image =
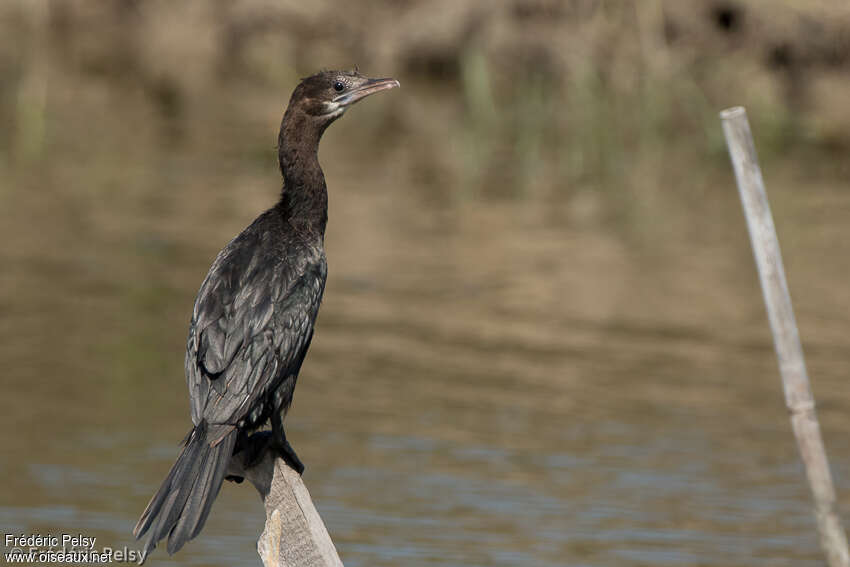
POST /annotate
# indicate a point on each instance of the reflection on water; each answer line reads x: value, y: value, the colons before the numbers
x: 490, y: 383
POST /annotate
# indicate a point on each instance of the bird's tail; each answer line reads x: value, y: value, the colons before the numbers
x: 181, y: 505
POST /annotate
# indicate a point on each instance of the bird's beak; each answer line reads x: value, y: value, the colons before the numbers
x: 371, y: 86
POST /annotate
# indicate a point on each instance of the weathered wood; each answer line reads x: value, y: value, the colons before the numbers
x: 786, y: 338
x: 295, y: 535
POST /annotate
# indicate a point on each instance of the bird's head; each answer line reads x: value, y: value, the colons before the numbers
x: 316, y: 102
x: 325, y: 96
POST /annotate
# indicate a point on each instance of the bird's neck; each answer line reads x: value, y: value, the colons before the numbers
x: 304, y: 197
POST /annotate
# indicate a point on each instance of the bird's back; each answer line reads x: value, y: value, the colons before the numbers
x: 253, y: 321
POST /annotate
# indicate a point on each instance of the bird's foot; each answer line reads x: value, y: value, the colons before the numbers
x: 250, y: 451
x: 256, y: 446
x: 287, y: 453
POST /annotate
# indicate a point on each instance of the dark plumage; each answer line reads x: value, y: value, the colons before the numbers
x: 253, y: 317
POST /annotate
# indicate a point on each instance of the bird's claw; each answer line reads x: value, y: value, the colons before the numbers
x: 287, y: 453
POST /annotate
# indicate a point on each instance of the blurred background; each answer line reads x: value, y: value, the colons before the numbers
x: 542, y: 340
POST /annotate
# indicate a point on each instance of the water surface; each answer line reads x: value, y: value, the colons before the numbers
x: 493, y: 382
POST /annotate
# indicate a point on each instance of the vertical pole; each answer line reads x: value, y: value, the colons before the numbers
x: 786, y: 338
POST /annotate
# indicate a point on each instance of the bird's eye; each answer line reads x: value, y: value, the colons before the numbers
x: 339, y: 87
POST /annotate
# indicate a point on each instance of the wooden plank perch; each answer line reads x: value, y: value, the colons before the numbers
x: 295, y: 535
x: 786, y: 337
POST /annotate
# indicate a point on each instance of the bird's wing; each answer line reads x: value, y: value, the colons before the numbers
x: 252, y: 322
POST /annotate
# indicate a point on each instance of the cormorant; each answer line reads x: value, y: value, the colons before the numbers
x: 253, y: 317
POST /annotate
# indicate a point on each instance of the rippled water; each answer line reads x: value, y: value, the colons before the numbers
x: 491, y: 383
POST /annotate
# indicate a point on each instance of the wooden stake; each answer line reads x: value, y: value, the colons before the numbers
x: 295, y: 535
x: 786, y: 338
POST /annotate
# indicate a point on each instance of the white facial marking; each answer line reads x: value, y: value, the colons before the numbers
x: 333, y: 109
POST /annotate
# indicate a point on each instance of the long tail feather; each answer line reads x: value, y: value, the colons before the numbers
x: 180, y: 507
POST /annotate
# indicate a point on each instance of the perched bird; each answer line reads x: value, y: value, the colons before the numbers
x: 253, y: 318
